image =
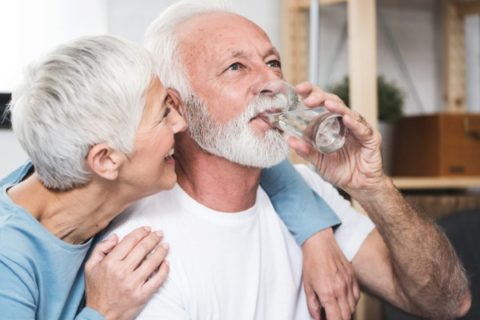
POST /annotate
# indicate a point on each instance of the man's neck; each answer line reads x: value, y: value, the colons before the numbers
x: 216, y: 182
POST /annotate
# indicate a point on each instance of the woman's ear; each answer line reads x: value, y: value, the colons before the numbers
x: 174, y: 100
x: 105, y: 161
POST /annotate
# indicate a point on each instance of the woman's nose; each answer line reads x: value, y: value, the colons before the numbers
x: 178, y: 124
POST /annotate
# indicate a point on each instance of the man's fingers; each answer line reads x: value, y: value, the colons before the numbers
x: 352, y: 120
x: 304, y: 89
x: 311, y: 96
x: 128, y: 243
x: 301, y: 147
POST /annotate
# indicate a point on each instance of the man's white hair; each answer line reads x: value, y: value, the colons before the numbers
x: 89, y: 91
x: 161, y: 40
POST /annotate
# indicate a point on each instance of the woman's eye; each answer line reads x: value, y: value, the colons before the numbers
x: 274, y: 64
x: 164, y: 115
x: 167, y: 111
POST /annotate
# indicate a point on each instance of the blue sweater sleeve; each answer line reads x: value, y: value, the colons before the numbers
x: 303, y: 210
x: 89, y: 314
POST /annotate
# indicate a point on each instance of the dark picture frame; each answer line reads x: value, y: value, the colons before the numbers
x: 5, y: 122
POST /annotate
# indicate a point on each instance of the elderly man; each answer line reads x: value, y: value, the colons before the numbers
x: 231, y: 257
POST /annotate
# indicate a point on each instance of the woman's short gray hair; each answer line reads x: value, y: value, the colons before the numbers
x: 89, y: 91
x: 161, y: 40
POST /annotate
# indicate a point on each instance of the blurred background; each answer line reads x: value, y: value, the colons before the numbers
x: 411, y: 67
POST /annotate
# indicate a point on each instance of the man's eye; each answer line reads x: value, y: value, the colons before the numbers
x: 235, y: 66
x: 274, y: 64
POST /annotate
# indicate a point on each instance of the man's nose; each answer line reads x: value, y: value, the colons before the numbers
x: 273, y: 87
x: 263, y: 81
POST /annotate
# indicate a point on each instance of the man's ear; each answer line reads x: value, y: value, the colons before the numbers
x: 105, y: 161
x: 175, y: 101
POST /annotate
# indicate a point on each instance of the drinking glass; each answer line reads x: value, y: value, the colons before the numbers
x: 323, y: 129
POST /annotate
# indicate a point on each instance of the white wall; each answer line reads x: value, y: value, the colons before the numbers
x: 12, y: 155
x: 129, y: 19
x: 28, y: 28
x: 31, y: 27
x: 472, y: 62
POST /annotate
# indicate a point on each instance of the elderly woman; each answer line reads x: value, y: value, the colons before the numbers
x: 99, y: 129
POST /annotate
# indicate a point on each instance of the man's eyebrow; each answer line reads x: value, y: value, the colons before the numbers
x: 273, y: 51
x: 237, y: 54
x: 232, y: 54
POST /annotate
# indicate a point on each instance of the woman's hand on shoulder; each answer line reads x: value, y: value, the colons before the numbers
x: 121, y: 276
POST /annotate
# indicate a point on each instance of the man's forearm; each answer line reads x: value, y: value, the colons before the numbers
x: 425, y: 266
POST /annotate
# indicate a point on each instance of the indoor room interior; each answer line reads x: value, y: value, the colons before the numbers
x: 428, y: 51
x: 410, y: 67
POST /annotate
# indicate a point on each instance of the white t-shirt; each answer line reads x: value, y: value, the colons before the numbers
x: 242, y: 265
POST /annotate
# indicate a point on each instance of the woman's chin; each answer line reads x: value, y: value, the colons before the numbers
x: 169, y: 180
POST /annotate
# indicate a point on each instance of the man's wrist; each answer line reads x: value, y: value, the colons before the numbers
x: 374, y: 191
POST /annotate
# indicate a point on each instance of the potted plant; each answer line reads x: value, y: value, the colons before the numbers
x: 390, y: 109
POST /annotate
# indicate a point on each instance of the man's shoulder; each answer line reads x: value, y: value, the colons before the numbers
x: 303, y: 169
x: 311, y: 177
x: 155, y: 211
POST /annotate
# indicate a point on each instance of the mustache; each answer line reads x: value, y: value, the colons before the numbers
x: 259, y: 105
x: 263, y: 103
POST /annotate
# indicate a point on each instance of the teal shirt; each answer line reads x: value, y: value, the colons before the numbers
x: 41, y: 276
x: 302, y: 210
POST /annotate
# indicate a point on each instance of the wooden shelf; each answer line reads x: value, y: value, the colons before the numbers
x: 406, y: 183
x: 362, y: 47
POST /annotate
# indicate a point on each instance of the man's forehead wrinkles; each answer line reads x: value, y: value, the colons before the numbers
x: 239, y: 53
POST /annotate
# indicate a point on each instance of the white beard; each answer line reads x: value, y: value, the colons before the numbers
x: 235, y: 140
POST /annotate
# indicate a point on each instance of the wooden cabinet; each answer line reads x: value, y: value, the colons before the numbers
x: 441, y: 145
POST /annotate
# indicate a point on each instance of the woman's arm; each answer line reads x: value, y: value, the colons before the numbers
x: 301, y: 209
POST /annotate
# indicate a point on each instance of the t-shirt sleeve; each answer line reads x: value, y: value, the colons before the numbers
x: 302, y: 210
x: 355, y: 226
